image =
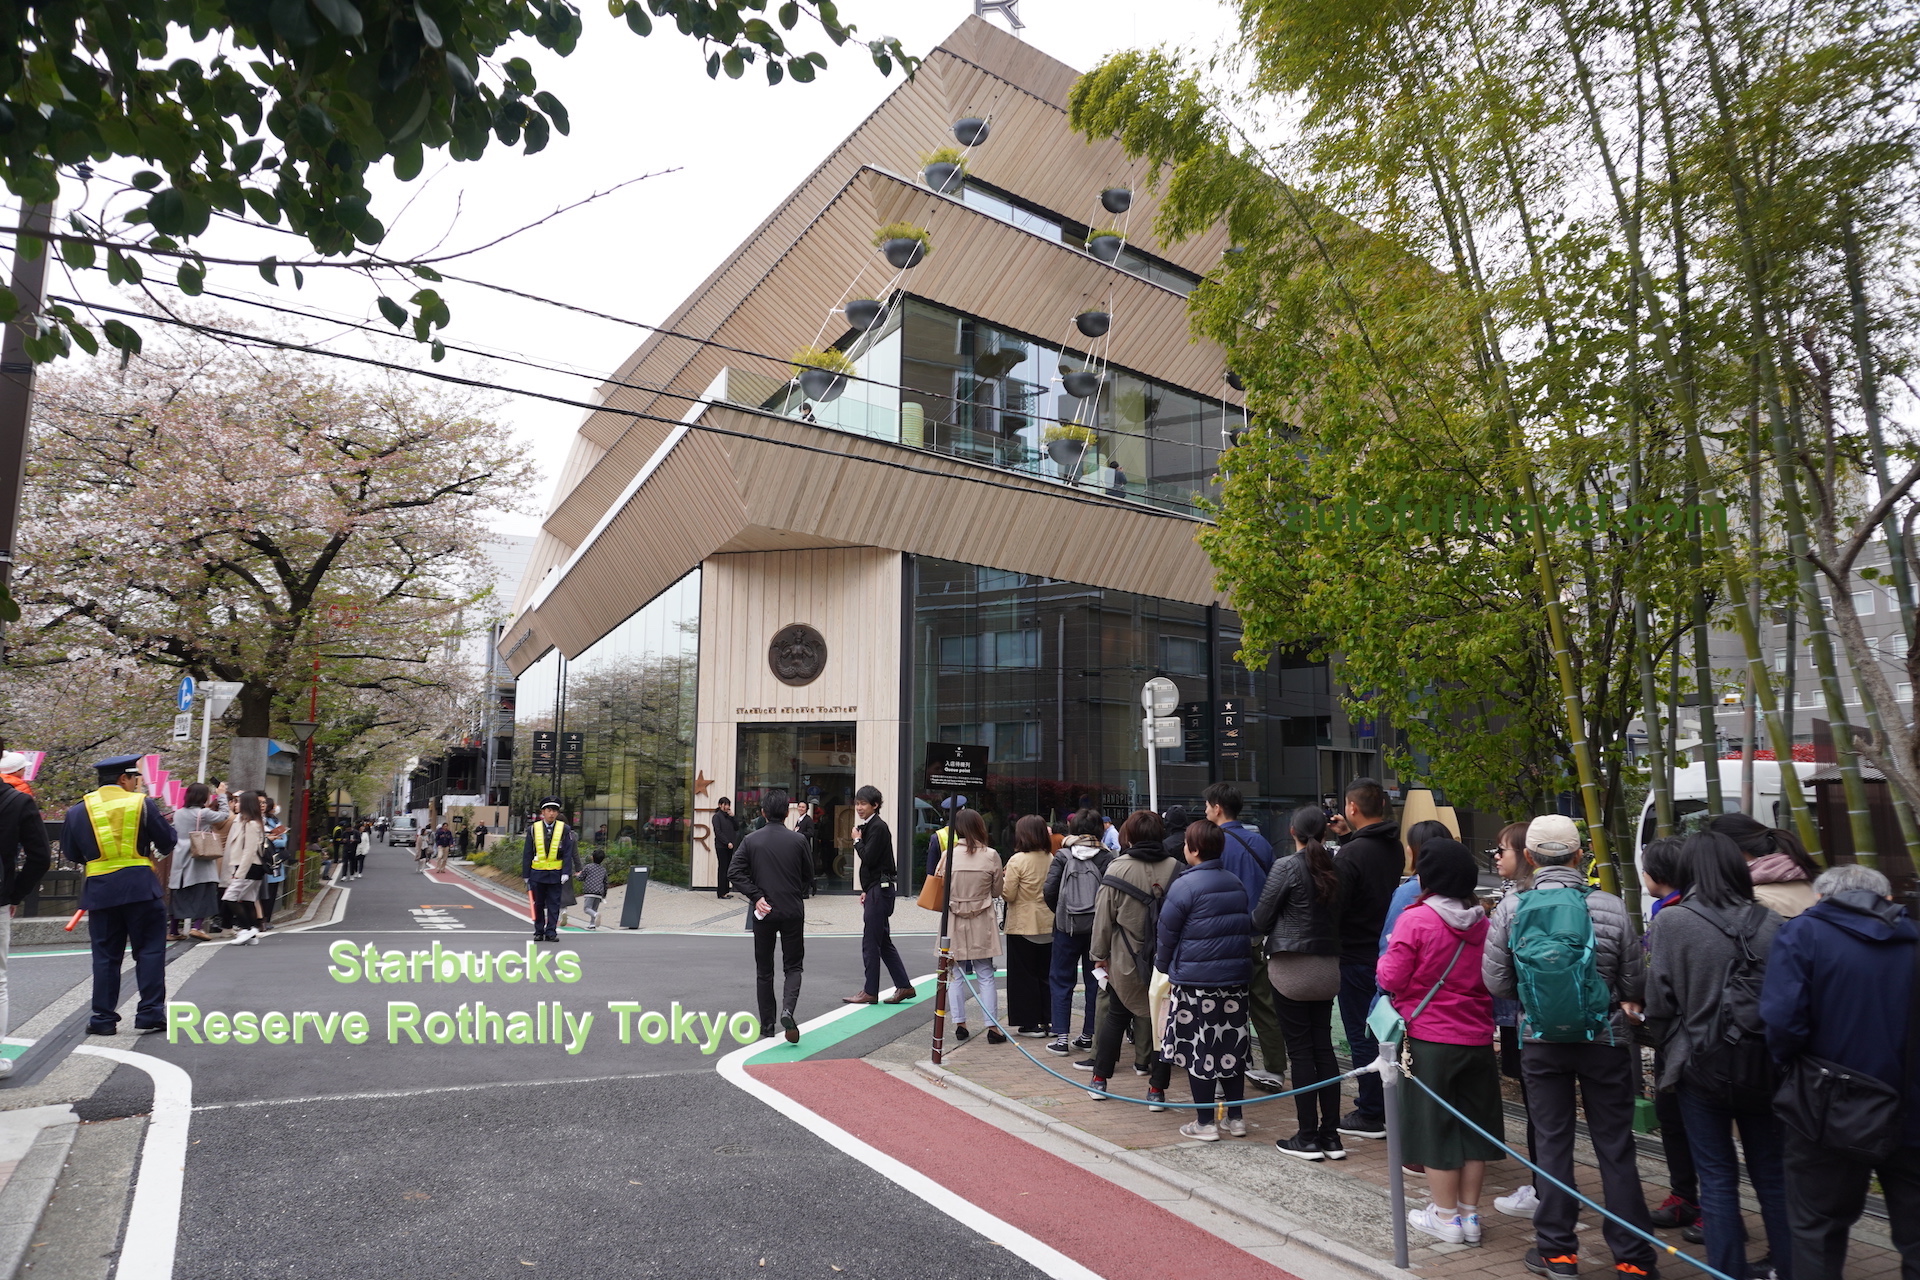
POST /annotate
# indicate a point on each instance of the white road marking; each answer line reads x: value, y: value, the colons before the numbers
x: 433, y: 918
x: 444, y: 1088
x: 1044, y: 1257
x: 153, y: 1220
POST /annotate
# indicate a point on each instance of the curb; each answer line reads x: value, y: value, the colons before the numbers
x: 1291, y: 1229
x: 23, y: 1201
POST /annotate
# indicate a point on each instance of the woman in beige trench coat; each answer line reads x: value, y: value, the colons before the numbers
x: 974, y: 883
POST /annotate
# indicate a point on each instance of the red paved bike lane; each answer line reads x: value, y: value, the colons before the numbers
x: 1096, y: 1223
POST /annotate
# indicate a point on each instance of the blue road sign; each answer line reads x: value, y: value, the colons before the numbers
x: 185, y: 700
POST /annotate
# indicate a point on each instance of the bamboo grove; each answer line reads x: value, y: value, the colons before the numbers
x: 1574, y: 333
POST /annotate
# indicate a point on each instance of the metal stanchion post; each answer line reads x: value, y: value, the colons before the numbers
x: 1389, y: 1068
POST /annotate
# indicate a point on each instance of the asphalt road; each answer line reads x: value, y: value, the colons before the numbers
x: 456, y: 1160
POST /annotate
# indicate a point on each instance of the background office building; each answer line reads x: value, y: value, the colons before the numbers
x: 983, y: 532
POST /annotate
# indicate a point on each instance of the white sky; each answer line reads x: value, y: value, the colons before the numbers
x: 637, y: 106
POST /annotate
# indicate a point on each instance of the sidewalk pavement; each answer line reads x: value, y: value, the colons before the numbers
x: 671, y: 908
x: 1347, y: 1199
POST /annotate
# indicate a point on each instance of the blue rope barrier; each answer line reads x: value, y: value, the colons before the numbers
x: 1655, y: 1241
x: 1121, y: 1097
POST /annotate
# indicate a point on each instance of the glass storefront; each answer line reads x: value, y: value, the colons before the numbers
x: 630, y: 698
x: 937, y: 379
x: 814, y: 764
x: 1047, y: 676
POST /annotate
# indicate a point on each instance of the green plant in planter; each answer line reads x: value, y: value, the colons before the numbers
x: 831, y: 359
x: 904, y: 231
x: 945, y: 155
x: 1097, y: 232
x: 1070, y: 431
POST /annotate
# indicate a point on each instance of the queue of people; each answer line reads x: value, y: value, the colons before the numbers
x: 1757, y: 968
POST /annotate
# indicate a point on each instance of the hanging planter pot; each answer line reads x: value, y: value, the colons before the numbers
x: 944, y: 170
x: 904, y: 244
x: 1116, y: 199
x: 1080, y: 384
x: 1104, y: 243
x: 1232, y: 254
x: 822, y: 372
x: 1067, y: 444
x: 944, y: 176
x: 971, y: 131
x: 1093, y: 324
x: 1234, y: 381
x: 864, y: 313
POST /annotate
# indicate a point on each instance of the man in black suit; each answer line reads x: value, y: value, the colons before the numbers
x: 774, y: 868
x: 726, y: 838
x: 873, y: 847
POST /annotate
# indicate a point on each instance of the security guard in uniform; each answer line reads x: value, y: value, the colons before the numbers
x: 118, y: 833
x: 547, y: 864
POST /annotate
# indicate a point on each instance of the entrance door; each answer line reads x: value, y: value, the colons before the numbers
x: 814, y: 765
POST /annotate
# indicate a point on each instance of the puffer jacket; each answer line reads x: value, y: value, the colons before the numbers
x: 1292, y: 915
x: 1616, y: 951
x: 1116, y: 914
x: 1204, y: 928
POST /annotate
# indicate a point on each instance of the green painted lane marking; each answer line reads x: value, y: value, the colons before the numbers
x: 845, y: 1027
x: 13, y: 1050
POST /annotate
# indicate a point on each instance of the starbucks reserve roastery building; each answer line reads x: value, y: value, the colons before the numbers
x: 745, y: 582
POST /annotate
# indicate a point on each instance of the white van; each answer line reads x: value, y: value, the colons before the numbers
x: 405, y: 827
x: 1690, y: 794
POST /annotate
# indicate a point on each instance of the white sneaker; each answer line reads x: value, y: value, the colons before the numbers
x: 1428, y: 1221
x: 1267, y: 1080
x: 241, y: 938
x: 1470, y: 1226
x: 1202, y: 1132
x: 1520, y: 1204
x: 1236, y: 1128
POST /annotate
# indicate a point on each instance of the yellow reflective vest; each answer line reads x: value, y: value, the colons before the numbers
x: 115, y: 815
x: 548, y: 842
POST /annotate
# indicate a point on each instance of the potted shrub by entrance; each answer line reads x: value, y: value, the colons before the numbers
x: 1079, y: 383
x: 1067, y: 444
x: 1104, y: 243
x: 864, y: 313
x: 944, y: 169
x: 822, y: 372
x: 904, y: 244
x: 971, y: 130
x: 1093, y: 324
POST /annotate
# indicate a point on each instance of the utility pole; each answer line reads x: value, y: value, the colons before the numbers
x: 16, y: 381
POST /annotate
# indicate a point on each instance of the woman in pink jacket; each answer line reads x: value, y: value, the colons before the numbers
x: 1431, y: 972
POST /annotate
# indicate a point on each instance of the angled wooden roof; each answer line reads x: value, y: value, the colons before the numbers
x: 777, y: 484
x: 772, y: 294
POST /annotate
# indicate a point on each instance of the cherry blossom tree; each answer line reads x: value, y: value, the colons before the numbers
x: 244, y: 513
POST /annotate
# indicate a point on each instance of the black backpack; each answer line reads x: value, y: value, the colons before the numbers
x: 1150, y: 937
x: 1732, y: 1066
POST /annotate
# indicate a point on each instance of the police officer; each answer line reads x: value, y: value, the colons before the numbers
x: 118, y: 833
x: 547, y: 863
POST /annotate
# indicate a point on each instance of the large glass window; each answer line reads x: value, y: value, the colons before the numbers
x: 1008, y: 208
x: 1062, y: 724
x: 937, y: 379
x: 630, y: 697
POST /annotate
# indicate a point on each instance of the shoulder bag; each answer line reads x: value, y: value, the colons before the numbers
x: 1846, y: 1111
x: 1388, y: 1027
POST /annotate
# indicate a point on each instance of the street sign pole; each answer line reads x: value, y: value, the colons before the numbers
x: 206, y: 731
x: 1159, y: 698
x: 950, y: 767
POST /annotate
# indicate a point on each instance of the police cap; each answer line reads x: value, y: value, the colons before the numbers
x: 110, y: 769
x: 549, y: 804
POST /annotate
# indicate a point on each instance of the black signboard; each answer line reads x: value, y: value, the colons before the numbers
x: 1229, y: 721
x: 952, y: 766
x: 1193, y: 732
x: 543, y: 750
x: 573, y: 748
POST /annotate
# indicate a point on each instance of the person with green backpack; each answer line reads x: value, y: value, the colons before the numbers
x: 1567, y: 953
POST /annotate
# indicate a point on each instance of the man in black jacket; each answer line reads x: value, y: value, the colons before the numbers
x: 1369, y: 864
x: 22, y: 831
x: 774, y: 868
x: 726, y: 838
x: 873, y: 847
